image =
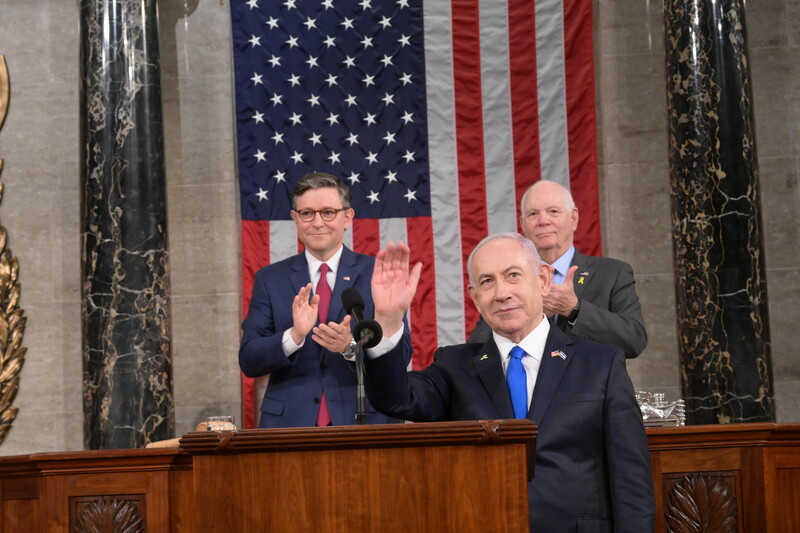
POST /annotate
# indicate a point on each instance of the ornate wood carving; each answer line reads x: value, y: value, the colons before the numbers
x: 702, y: 503
x: 12, y: 321
x: 120, y: 513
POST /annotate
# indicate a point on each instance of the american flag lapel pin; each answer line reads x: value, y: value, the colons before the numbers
x: 346, y: 278
x: 558, y: 353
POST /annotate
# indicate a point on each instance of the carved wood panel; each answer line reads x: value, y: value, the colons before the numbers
x: 701, y: 502
x: 117, y: 513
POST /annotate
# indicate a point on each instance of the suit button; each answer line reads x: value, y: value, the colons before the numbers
x: 316, y: 399
x: 323, y: 367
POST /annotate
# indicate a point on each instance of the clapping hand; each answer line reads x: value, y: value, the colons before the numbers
x: 561, y: 299
x: 335, y: 337
x: 304, y: 313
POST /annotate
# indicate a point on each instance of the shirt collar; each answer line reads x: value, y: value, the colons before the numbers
x: 533, y: 343
x: 314, y: 263
x: 562, y: 263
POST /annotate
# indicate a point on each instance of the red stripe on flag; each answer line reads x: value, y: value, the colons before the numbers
x: 255, y: 254
x: 469, y: 134
x: 582, y: 123
x: 524, y: 95
x: 367, y: 236
x: 424, y: 332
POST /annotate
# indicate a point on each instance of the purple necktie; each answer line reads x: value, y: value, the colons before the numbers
x: 324, y: 293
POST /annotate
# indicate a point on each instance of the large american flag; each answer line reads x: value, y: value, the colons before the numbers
x: 438, y: 115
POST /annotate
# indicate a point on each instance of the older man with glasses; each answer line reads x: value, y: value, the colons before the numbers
x: 296, y: 329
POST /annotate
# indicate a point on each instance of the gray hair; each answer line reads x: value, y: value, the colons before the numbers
x: 321, y: 180
x: 567, y: 195
x: 527, y: 246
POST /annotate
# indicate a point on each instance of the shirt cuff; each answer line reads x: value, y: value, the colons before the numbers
x: 288, y: 344
x: 387, y: 344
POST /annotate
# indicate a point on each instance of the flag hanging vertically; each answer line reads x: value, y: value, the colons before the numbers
x: 438, y: 115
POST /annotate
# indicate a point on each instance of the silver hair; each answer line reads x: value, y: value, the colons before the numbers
x: 567, y: 196
x: 527, y: 246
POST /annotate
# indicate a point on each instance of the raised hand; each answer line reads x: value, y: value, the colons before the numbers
x: 304, y: 313
x: 393, y: 286
x: 561, y: 299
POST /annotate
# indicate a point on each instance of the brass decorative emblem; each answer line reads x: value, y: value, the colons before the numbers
x: 12, y: 323
x: 3, y: 92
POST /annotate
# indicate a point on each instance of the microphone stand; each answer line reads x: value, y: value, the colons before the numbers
x: 361, y: 395
x: 366, y: 336
x: 369, y: 334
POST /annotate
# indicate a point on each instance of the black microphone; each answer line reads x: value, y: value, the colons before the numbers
x: 367, y: 332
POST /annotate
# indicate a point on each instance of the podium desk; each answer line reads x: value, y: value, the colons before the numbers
x: 432, y: 477
x: 728, y: 478
x: 435, y: 477
x: 137, y: 489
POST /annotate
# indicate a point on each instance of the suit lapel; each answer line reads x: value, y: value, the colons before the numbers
x: 490, y: 371
x: 299, y: 275
x: 551, y: 370
x: 584, y: 273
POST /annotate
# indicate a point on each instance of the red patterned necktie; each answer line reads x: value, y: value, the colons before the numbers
x: 324, y: 293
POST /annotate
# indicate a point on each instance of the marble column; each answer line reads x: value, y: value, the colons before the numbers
x: 723, y: 326
x: 127, y: 376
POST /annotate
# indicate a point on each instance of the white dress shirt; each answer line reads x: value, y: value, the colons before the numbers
x: 289, y: 346
x: 533, y: 344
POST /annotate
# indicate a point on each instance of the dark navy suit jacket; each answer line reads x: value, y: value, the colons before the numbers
x: 592, y: 467
x: 296, y: 382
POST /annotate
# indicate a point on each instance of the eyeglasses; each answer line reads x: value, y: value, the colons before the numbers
x: 327, y: 214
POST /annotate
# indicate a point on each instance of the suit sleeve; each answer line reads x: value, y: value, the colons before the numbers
x: 621, y: 325
x: 260, y: 350
x: 420, y: 396
x: 628, y: 454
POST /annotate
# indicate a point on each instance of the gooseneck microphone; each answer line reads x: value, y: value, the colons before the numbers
x: 367, y: 332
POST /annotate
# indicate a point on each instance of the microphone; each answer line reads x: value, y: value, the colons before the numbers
x: 368, y: 332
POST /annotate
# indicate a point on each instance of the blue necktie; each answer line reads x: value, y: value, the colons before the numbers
x: 517, y: 383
